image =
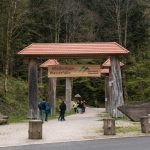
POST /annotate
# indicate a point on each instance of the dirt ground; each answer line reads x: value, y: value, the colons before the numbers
x: 77, y: 127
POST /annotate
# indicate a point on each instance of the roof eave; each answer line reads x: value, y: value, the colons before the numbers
x: 72, y: 55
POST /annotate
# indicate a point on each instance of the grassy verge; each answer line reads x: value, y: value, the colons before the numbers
x: 129, y: 129
x: 121, y: 128
x: 103, y: 116
x: 23, y: 117
x: 18, y: 118
x: 107, y: 116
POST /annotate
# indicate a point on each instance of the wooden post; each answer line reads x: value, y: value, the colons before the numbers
x: 68, y: 94
x: 35, y: 129
x: 145, y: 124
x: 107, y: 100
x: 41, y: 76
x: 52, y: 94
x: 32, y: 81
x: 110, y: 94
x: 109, y: 126
x: 117, y: 92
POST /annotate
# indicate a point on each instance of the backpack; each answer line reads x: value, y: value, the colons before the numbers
x: 42, y: 105
x: 47, y: 109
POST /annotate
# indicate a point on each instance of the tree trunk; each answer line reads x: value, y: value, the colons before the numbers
x: 41, y: 76
x: 6, y: 76
x: 7, y: 52
x: 8, y: 48
x: 52, y: 94
x: 118, y: 15
x: 68, y: 93
x: 126, y: 24
x: 124, y: 82
x: 33, y: 79
x: 117, y: 93
x: 10, y: 24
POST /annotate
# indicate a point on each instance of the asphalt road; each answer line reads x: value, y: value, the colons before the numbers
x: 139, y: 143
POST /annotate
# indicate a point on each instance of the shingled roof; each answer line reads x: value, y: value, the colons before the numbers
x: 53, y: 50
x: 108, y: 64
x: 49, y: 63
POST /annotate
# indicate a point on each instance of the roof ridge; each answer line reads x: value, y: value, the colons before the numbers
x: 75, y: 43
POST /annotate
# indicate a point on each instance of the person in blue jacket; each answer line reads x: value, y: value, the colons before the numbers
x: 47, y: 111
x: 42, y: 107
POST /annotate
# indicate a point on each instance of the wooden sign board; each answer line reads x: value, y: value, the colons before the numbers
x: 74, y: 71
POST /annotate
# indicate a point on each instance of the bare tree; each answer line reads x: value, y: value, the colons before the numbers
x: 118, y: 10
x: 10, y: 23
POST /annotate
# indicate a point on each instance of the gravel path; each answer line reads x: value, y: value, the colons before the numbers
x: 77, y: 127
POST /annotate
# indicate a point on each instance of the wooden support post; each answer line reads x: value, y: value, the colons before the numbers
x: 107, y: 100
x: 35, y: 129
x: 117, y: 92
x: 52, y: 94
x: 32, y: 81
x: 145, y: 124
x: 41, y: 76
x: 110, y: 93
x: 68, y: 94
x: 109, y: 126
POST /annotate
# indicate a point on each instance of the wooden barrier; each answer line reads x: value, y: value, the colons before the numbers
x: 135, y: 112
x: 3, y: 119
x: 109, y: 126
x: 145, y: 124
x: 35, y: 129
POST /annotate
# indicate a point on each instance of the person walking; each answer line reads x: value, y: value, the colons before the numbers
x: 62, y: 108
x: 74, y: 106
x: 79, y: 107
x: 47, y: 111
x: 42, y: 106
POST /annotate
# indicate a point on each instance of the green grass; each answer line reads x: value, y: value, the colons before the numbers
x: 18, y: 118
x: 105, y: 115
x: 14, y: 103
x: 122, y: 118
x: 23, y: 117
x: 128, y: 129
x: 125, y: 129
